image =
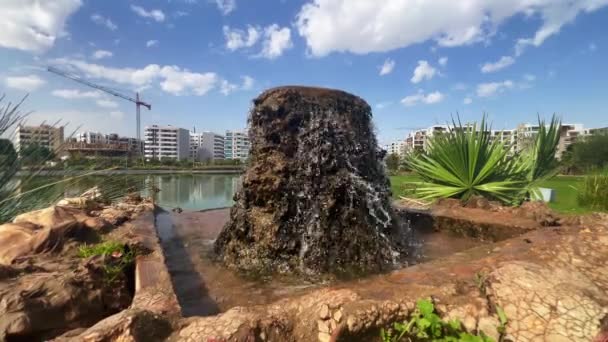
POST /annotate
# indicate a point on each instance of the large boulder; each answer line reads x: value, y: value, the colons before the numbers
x: 315, y: 198
x: 46, y: 230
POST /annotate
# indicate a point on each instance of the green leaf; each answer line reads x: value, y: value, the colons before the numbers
x: 425, y: 307
x: 501, y: 315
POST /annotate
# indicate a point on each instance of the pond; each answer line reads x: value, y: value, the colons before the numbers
x: 186, y: 191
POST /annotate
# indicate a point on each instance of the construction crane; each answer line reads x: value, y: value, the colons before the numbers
x: 135, y: 100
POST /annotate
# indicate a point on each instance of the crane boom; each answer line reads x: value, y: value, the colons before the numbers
x: 135, y: 100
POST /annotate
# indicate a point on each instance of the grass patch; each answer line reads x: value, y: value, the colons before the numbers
x: 116, y: 257
x: 594, y: 191
x: 566, y: 189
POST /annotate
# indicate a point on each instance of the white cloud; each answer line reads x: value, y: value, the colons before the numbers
x: 467, y: 100
x: 430, y: 98
x: 237, y: 39
x: 151, y: 43
x: 376, y: 26
x: 424, y: 71
x: 181, y: 81
x: 554, y: 15
x: 99, y: 54
x: 489, y: 89
x: 383, y: 105
x: 100, y: 20
x: 443, y: 61
x: 387, y: 67
x: 172, y: 79
x: 592, y: 47
x: 529, y: 77
x: 33, y: 25
x: 226, y: 6
x: 248, y: 83
x: 105, y: 103
x: 276, y: 41
x: 155, y: 14
x: 71, y: 94
x: 502, y: 63
x: 26, y: 83
x: 226, y: 87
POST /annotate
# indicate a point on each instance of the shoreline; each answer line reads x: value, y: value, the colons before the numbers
x: 127, y: 172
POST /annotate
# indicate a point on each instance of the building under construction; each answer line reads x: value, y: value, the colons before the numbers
x: 93, y: 144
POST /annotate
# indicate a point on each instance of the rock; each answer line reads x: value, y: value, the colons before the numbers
x: 40, y: 305
x: 324, y: 337
x: 538, y: 211
x: 114, y: 216
x: 322, y: 326
x: 315, y: 198
x: 48, y: 217
x: 338, y: 315
x: 127, y: 325
x: 489, y: 326
x: 46, y: 230
x: 324, y: 312
x: 478, y: 202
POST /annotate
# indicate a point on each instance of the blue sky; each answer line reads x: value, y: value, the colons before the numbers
x: 201, y: 62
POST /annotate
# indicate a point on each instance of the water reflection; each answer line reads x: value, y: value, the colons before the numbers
x: 187, y: 191
x: 194, y: 192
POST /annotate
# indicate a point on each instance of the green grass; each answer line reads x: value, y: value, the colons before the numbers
x: 564, y: 186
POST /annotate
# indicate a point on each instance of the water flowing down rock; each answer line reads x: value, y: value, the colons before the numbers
x: 315, y: 198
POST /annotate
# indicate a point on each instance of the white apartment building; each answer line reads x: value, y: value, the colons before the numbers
x: 206, y: 146
x: 569, y: 133
x: 236, y: 145
x: 161, y: 142
x: 43, y: 135
x: 418, y: 140
x: 515, y: 139
x: 396, y: 147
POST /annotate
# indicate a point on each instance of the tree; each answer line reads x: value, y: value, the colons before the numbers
x: 392, y: 162
x: 8, y: 155
x: 590, y: 153
x: 35, y: 154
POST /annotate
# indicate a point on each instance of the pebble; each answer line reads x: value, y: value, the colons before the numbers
x: 324, y: 312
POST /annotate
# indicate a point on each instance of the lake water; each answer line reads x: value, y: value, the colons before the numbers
x: 187, y: 191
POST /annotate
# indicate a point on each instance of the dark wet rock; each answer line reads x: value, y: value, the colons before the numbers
x: 315, y: 197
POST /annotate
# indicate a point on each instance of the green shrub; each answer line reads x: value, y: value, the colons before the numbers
x: 466, y: 162
x: 594, y: 191
x: 426, y: 325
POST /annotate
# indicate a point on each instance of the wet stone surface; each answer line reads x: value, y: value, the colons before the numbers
x: 314, y: 198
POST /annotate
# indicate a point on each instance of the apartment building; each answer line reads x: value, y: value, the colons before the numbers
x: 100, y: 144
x: 396, y: 147
x: 166, y: 142
x: 206, y: 146
x: 569, y: 133
x: 418, y: 139
x: 236, y: 145
x: 516, y: 140
x: 44, y: 135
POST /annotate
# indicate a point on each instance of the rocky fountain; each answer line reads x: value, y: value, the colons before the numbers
x: 315, y: 198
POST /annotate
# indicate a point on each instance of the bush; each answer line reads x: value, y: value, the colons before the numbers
x: 594, y: 191
x: 466, y: 162
x: 426, y: 325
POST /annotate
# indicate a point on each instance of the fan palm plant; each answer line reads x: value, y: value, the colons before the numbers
x: 465, y: 162
x: 537, y: 161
